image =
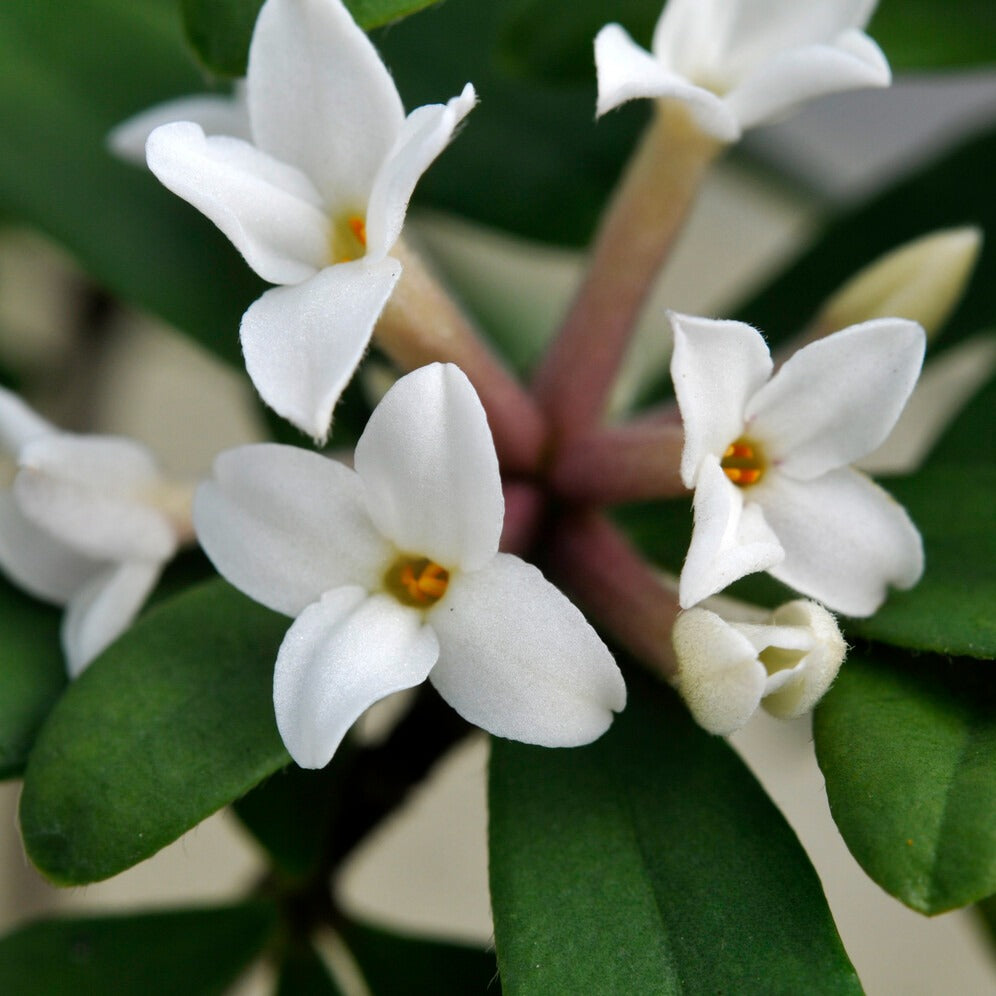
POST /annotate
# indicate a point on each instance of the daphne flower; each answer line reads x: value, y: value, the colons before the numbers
x: 316, y: 201
x: 727, y: 669
x: 87, y: 522
x: 393, y: 575
x: 768, y: 458
x: 739, y: 63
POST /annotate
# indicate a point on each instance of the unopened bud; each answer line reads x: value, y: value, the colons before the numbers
x: 922, y: 280
x: 726, y: 670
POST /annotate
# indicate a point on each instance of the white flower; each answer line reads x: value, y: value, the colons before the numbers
x: 216, y: 113
x: 738, y: 63
x: 393, y: 575
x: 316, y: 201
x: 768, y: 458
x: 86, y: 522
x: 726, y: 670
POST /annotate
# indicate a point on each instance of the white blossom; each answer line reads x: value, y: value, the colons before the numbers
x: 393, y: 575
x: 316, y: 201
x: 769, y: 459
x: 85, y: 521
x: 739, y: 63
x: 727, y: 669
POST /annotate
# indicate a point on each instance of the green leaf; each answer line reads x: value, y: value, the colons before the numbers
x: 908, y: 750
x: 395, y: 965
x: 220, y: 30
x: 651, y: 862
x: 70, y: 73
x: 303, y: 973
x: 172, y: 722
x: 184, y: 952
x: 32, y: 673
x: 922, y: 34
x: 950, y: 610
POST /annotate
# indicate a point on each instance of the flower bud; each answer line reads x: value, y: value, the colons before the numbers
x: 922, y: 280
x: 726, y: 670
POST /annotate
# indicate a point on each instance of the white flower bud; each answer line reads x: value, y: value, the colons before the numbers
x: 726, y: 670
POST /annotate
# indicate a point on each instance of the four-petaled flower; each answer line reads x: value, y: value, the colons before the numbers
x: 727, y: 669
x: 768, y: 458
x: 87, y: 522
x: 316, y: 201
x: 393, y: 574
x: 739, y: 63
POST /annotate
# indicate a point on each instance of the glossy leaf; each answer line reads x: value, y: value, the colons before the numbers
x: 70, y: 73
x: 908, y: 750
x: 172, y: 722
x: 398, y: 965
x: 651, y: 862
x: 184, y: 952
x: 951, y: 610
x: 32, y: 673
x: 220, y: 30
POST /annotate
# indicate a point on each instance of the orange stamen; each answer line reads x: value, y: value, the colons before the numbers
x: 417, y: 581
x: 743, y: 463
x: 359, y: 228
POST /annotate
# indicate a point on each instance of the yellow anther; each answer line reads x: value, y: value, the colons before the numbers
x: 416, y: 581
x: 359, y: 229
x: 348, y: 239
x: 743, y: 463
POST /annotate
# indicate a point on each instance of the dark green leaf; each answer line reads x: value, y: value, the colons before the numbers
x: 302, y: 973
x: 394, y: 965
x: 187, y: 953
x: 32, y: 673
x: 908, y: 749
x: 220, y: 30
x: 987, y: 913
x: 71, y: 72
x: 922, y: 34
x: 951, y: 610
x: 651, y: 862
x: 172, y: 722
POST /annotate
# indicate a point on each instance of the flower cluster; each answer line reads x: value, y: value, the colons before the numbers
x: 391, y: 568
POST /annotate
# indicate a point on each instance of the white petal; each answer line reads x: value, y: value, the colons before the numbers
x: 817, y: 670
x: 837, y: 398
x: 626, y: 71
x: 36, y: 561
x: 719, y: 675
x: 302, y: 344
x: 321, y: 99
x: 688, y: 32
x: 427, y: 461
x: 95, y: 494
x: 216, y: 113
x: 103, y: 609
x: 846, y: 540
x: 716, y: 368
x: 19, y: 424
x: 729, y: 541
x: 425, y: 133
x: 799, y: 74
x: 519, y: 660
x: 340, y: 656
x: 284, y: 525
x: 269, y: 210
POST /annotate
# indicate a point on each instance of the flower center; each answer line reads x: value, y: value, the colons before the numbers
x: 743, y: 463
x: 416, y: 581
x: 348, y: 240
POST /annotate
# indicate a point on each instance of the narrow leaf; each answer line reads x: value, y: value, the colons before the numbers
x: 149, y: 954
x: 651, y: 862
x: 303, y: 973
x: 908, y: 749
x: 172, y: 722
x: 32, y: 673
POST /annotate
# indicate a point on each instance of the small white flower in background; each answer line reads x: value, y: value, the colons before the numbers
x: 739, y: 63
x: 726, y: 669
x: 85, y: 521
x: 769, y: 459
x: 315, y: 201
x: 393, y: 574
x: 216, y: 113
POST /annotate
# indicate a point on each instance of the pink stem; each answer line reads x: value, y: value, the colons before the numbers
x: 525, y: 506
x: 598, y: 567
x: 632, y: 462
